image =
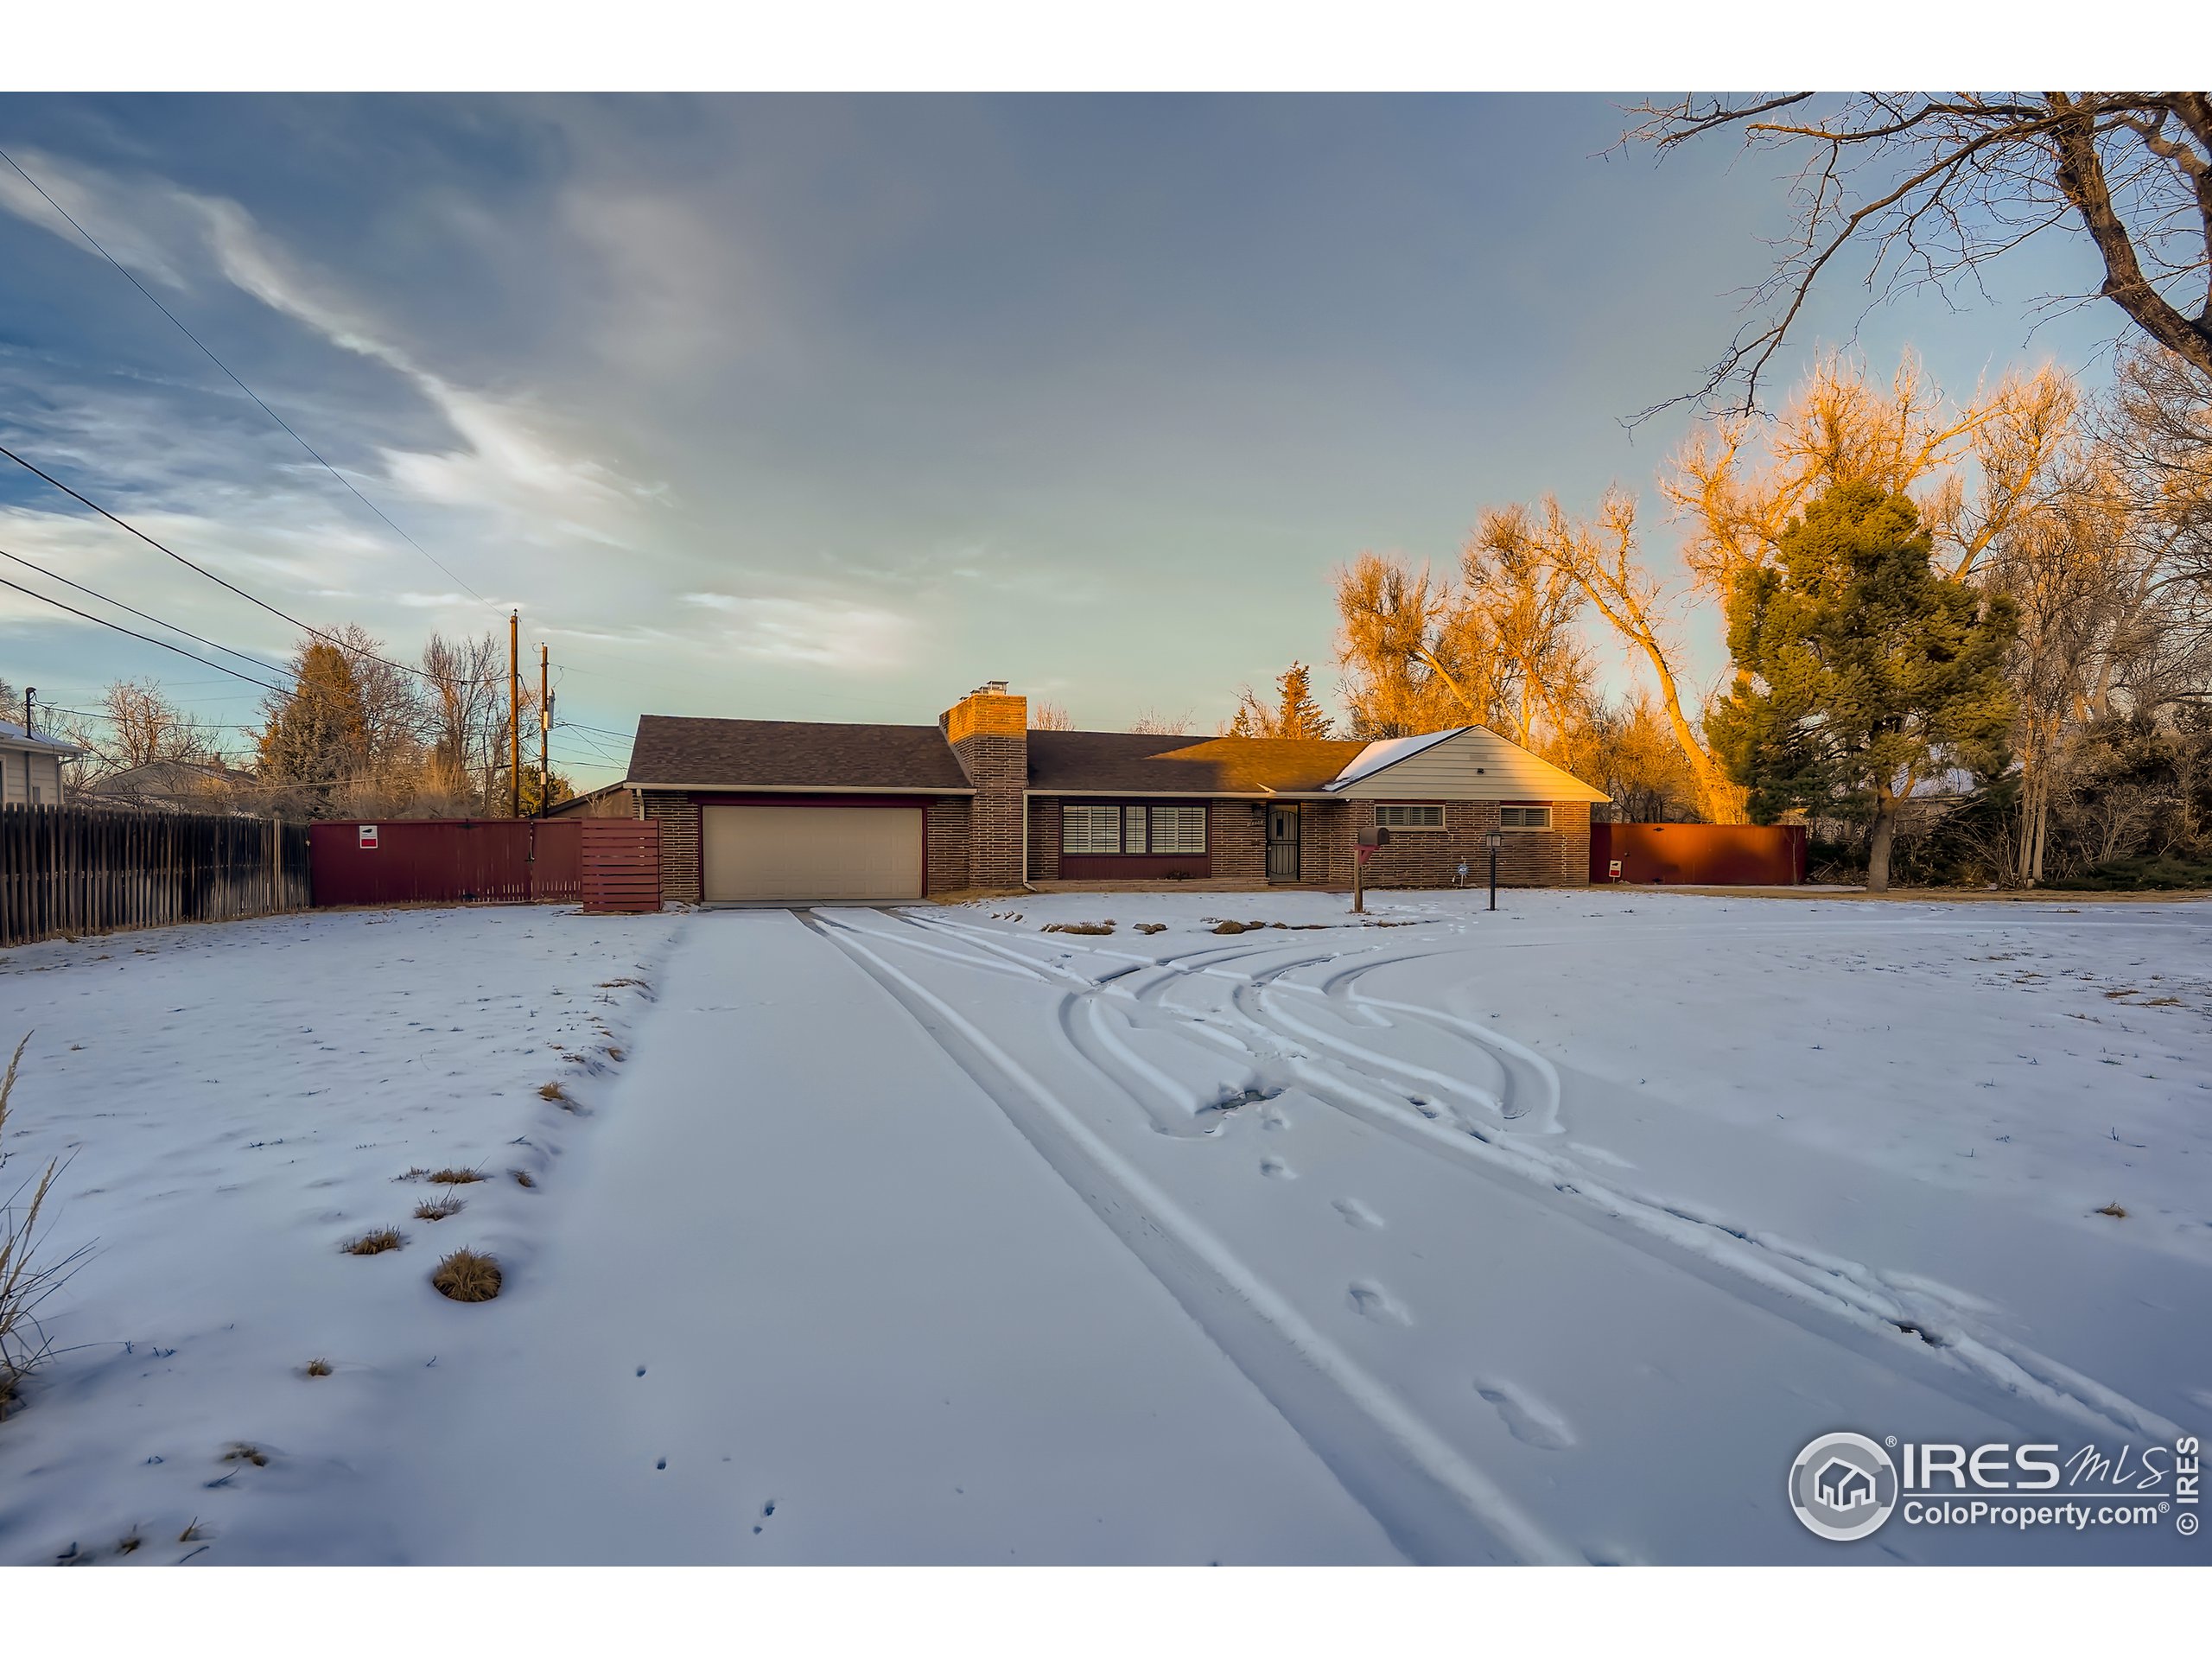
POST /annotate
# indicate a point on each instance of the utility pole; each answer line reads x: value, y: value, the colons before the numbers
x: 544, y: 733
x: 514, y: 715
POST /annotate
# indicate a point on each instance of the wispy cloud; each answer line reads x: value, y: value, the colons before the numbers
x: 829, y: 633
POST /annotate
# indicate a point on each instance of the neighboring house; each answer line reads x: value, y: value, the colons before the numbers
x: 30, y: 767
x: 608, y: 801
x: 174, y: 785
x: 754, y: 809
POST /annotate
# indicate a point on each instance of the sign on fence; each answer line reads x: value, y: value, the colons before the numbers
x: 368, y: 838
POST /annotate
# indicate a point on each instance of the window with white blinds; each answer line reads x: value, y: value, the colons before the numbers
x: 1178, y: 829
x: 1133, y: 828
x: 1392, y: 815
x: 1524, y: 818
x: 1090, y: 829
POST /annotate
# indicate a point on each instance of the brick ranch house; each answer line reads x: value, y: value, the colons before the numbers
x: 769, y: 810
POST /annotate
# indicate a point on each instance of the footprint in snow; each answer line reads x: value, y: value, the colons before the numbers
x: 1528, y: 1419
x: 1275, y: 1170
x: 1356, y: 1214
x: 1373, y: 1302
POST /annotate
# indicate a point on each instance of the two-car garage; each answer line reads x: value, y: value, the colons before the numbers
x: 778, y: 853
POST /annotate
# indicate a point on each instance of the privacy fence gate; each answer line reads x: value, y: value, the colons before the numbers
x: 611, y: 864
x: 68, y: 869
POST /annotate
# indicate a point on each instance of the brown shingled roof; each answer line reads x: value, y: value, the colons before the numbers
x: 671, y: 750
x: 1142, y: 763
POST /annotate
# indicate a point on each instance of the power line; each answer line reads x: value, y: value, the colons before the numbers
x: 243, y: 657
x: 328, y: 638
x: 148, y: 637
x: 239, y: 384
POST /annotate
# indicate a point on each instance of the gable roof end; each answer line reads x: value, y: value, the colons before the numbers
x: 1468, y: 763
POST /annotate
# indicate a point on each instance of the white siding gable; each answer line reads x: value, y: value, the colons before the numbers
x: 1472, y: 764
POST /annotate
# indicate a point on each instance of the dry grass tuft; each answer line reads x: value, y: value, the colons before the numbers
x: 24, y: 1281
x: 417, y: 1173
x: 191, y: 1535
x: 551, y: 1091
x: 374, y: 1243
x: 438, y: 1209
x: 1078, y: 927
x: 456, y: 1177
x: 616, y: 1055
x: 129, y: 1545
x: 1237, y: 927
x: 524, y: 1177
x: 466, y: 1276
x: 318, y: 1368
x: 2118, y: 1212
x: 242, y: 1452
x: 1152, y: 927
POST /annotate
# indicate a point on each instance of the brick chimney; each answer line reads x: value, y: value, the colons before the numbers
x: 988, y: 729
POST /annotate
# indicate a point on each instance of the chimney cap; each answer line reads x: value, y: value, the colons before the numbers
x: 991, y: 688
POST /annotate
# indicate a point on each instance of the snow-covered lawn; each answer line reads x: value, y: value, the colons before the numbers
x: 236, y: 1102
x: 926, y: 1235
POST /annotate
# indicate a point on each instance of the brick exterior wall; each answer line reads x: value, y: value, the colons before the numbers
x: 1237, y: 834
x: 1044, y: 838
x: 1324, y: 844
x: 1558, y: 857
x: 989, y: 732
x: 678, y: 818
x: 948, y: 843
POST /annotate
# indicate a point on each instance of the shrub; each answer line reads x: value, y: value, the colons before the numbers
x: 374, y: 1243
x: 25, y: 1281
x: 456, y: 1177
x: 438, y: 1209
x: 466, y: 1276
x: 318, y: 1368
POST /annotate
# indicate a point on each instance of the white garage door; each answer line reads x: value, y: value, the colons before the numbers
x: 787, y: 854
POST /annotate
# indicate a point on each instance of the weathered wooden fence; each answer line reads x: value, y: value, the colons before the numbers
x: 70, y: 869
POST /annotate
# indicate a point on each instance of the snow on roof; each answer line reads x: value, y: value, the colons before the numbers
x: 1388, y: 753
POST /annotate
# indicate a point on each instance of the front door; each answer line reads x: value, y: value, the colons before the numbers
x: 1283, y: 843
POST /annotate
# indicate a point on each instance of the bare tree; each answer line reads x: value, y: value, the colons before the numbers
x: 144, y: 727
x: 1526, y: 606
x: 1153, y: 723
x: 1601, y: 557
x: 1050, y: 717
x: 1412, y: 659
x: 1972, y: 468
x: 1932, y: 186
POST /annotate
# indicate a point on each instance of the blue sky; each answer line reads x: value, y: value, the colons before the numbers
x: 823, y: 408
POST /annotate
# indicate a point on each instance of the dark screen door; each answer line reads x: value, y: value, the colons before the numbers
x: 1283, y: 843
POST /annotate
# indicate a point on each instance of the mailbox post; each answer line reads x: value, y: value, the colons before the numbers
x: 1496, y: 839
x: 1369, y: 839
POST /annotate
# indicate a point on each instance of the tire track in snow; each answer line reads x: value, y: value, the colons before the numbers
x: 1433, y: 1502
x: 1902, y: 1326
x: 1808, y: 1280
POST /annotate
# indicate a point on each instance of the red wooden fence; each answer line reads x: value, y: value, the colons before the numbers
x: 448, y: 861
x: 621, y: 865
x: 1699, y: 855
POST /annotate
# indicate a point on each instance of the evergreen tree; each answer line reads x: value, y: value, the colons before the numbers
x: 317, y: 733
x: 1862, y: 671
x: 1299, y: 715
